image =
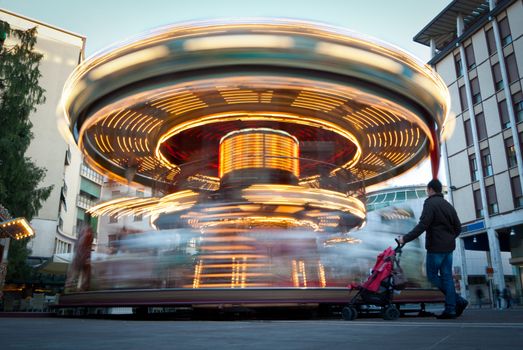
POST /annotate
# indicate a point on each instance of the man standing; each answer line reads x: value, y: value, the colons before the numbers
x: 440, y: 220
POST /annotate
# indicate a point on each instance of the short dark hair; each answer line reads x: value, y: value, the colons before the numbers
x: 435, y: 184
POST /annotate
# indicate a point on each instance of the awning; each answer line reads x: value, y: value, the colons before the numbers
x: 54, y: 268
x: 16, y: 228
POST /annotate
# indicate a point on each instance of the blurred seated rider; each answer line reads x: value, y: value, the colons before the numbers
x: 440, y: 220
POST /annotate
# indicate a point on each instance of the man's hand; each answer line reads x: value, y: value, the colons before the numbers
x: 400, y: 239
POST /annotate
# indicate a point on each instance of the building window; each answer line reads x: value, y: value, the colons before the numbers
x: 138, y: 217
x: 517, y: 98
x: 140, y: 192
x: 503, y: 114
x: 474, y: 176
x: 486, y: 162
x: 115, y: 193
x: 463, y: 98
x: 477, y: 204
x: 504, y: 32
x: 512, y: 68
x: 491, y: 41
x: 496, y: 76
x: 113, y: 219
x: 516, y: 192
x: 492, y: 200
x: 469, y: 55
x: 474, y: 87
x: 481, y: 126
x: 468, y: 133
x: 511, y: 152
x: 459, y: 67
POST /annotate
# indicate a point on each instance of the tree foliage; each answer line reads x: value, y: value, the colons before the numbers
x: 20, y: 94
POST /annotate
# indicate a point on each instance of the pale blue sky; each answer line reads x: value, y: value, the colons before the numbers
x: 107, y: 22
x: 110, y: 21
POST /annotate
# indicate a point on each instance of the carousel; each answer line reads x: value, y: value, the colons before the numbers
x: 257, y: 138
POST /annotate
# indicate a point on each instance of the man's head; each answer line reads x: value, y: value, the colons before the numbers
x: 433, y: 187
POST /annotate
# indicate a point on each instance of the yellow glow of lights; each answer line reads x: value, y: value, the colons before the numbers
x: 339, y: 240
x: 16, y: 228
x: 217, y: 42
x: 259, y: 116
x: 287, y: 198
x: 337, y: 50
x: 261, y: 221
x: 321, y: 275
x: 146, y: 206
x: 302, y: 272
x: 295, y: 278
x: 317, y: 198
x: 258, y: 148
x: 228, y: 239
x: 215, y: 248
x: 364, y: 57
x: 131, y: 59
x: 317, y: 101
x: 197, y: 274
x: 226, y: 285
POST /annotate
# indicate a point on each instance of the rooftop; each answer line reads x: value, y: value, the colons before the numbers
x: 443, y: 27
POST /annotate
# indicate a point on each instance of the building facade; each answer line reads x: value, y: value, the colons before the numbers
x: 477, y: 48
x: 75, y: 186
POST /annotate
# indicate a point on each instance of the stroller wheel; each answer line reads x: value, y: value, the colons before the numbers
x: 349, y: 313
x: 391, y: 313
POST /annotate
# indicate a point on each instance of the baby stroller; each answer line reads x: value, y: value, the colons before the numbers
x: 386, y: 277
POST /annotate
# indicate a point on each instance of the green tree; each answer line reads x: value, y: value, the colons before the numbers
x: 19, y: 176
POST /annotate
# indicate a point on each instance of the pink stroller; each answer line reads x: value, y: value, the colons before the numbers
x: 378, y: 290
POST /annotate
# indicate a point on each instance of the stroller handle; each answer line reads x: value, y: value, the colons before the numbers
x: 399, y: 246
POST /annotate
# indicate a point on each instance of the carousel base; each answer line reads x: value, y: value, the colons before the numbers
x: 221, y: 297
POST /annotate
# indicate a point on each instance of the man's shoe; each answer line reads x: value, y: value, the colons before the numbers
x: 461, y: 305
x: 446, y: 316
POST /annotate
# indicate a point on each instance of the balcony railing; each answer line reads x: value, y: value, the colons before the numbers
x: 91, y: 175
x: 85, y: 203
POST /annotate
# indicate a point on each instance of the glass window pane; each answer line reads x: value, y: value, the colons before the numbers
x: 411, y: 195
x: 463, y: 98
x: 481, y: 126
x: 504, y: 32
x: 474, y: 86
x: 517, y: 99
x: 491, y: 42
x: 471, y: 60
x: 468, y: 133
x: 380, y: 198
x: 512, y: 68
x: 390, y: 197
x: 496, y: 75
x: 503, y: 114
x: 421, y: 193
x: 400, y: 196
x: 458, y: 65
x: 371, y: 199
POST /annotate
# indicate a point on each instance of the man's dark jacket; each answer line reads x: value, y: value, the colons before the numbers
x: 441, y: 222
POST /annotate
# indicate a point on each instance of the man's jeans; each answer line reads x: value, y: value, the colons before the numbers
x: 439, y: 273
